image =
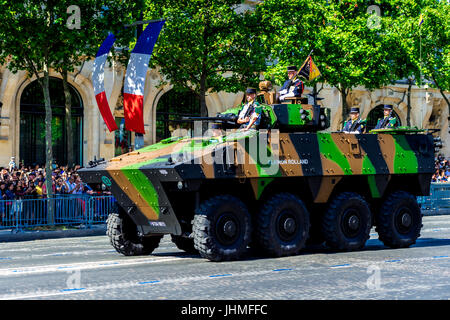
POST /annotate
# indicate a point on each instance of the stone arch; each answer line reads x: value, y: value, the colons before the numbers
x: 31, y: 114
x: 172, y: 106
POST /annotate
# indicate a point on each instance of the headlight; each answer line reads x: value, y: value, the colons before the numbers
x: 180, y: 185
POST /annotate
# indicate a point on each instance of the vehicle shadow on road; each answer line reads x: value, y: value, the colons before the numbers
x: 371, y: 245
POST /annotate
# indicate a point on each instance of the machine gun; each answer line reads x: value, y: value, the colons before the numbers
x: 223, y: 120
x: 95, y: 162
x: 226, y: 117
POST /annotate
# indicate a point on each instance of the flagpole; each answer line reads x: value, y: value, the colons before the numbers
x: 420, y: 74
x: 296, y: 74
x: 420, y: 68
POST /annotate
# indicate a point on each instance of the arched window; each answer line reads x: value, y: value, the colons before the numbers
x: 32, y: 124
x: 377, y: 113
x: 172, y: 106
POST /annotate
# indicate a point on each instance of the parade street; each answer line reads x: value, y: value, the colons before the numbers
x: 89, y: 268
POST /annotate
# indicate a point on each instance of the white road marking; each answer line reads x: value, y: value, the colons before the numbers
x: 85, y: 265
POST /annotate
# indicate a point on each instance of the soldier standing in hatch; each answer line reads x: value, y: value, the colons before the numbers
x: 355, y: 124
x: 250, y: 114
x: 388, y: 120
x: 291, y: 88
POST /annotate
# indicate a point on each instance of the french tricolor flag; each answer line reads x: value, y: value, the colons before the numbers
x: 98, y: 79
x: 133, y: 93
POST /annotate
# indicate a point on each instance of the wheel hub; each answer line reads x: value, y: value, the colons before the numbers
x: 353, y: 223
x: 289, y: 225
x: 229, y: 228
x: 406, y: 220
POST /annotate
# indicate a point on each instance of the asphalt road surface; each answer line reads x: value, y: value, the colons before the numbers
x: 89, y: 268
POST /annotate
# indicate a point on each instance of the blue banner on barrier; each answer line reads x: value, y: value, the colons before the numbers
x: 67, y: 210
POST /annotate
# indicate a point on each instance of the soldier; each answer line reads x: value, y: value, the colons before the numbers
x: 355, y: 124
x: 291, y: 88
x: 250, y: 114
x: 388, y: 121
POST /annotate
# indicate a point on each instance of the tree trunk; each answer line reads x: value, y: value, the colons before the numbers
x: 344, y: 93
x: 48, y: 146
x: 441, y: 91
x: 408, y: 104
x: 68, y: 105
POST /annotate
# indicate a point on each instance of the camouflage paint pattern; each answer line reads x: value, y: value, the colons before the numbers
x: 321, y: 159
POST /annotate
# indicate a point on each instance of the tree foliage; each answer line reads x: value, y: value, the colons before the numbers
x: 35, y: 38
x: 207, y: 45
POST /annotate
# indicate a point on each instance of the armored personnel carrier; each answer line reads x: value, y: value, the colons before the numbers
x: 274, y: 189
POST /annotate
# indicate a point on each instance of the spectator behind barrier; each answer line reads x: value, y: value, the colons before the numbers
x: 20, y: 182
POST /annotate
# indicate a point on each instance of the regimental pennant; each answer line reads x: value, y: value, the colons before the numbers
x: 98, y: 80
x: 309, y: 69
x: 133, y: 95
x: 420, y: 19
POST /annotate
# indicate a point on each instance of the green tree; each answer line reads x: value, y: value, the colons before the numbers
x: 347, y: 49
x: 26, y: 30
x: 434, y: 45
x: 77, y: 45
x: 35, y: 38
x: 207, y: 46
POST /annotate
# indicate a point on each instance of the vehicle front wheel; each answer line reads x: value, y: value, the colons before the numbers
x: 125, y: 238
x: 222, y: 228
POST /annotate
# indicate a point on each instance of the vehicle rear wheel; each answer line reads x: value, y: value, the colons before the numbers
x: 184, y: 243
x: 222, y: 228
x: 399, y: 220
x: 124, y: 236
x: 282, y: 226
x: 346, y: 223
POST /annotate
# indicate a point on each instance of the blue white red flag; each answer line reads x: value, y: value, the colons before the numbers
x: 98, y: 79
x: 133, y: 95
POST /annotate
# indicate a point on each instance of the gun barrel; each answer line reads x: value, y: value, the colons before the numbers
x: 208, y: 118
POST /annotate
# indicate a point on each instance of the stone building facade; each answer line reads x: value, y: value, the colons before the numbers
x: 428, y: 109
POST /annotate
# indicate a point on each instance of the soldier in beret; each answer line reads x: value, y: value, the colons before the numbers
x: 250, y: 114
x: 388, y: 120
x: 355, y: 124
x: 291, y: 88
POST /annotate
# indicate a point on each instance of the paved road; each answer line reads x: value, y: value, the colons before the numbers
x: 89, y: 268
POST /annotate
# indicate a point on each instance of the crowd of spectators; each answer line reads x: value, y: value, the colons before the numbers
x: 442, y: 167
x: 29, y: 182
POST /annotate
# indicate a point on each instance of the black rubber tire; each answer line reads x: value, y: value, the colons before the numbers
x: 282, y: 226
x: 123, y: 235
x: 391, y: 227
x: 210, y: 221
x: 347, y: 222
x: 184, y: 243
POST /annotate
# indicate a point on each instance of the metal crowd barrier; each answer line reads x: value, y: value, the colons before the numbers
x: 438, y: 202
x: 83, y: 210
